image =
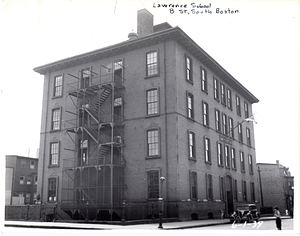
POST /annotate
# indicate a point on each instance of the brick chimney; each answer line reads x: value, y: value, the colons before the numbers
x: 144, y: 23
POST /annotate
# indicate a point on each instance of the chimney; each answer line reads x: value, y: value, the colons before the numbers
x: 144, y: 23
x: 132, y: 35
x: 277, y: 162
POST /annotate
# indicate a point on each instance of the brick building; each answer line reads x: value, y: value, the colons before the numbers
x: 117, y: 119
x: 20, y: 180
x: 277, y: 186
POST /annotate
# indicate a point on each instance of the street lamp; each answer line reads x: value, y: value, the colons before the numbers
x: 160, y: 200
x: 87, y: 211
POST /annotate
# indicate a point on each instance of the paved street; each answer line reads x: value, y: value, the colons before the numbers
x: 287, y: 224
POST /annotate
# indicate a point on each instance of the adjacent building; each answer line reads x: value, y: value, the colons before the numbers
x: 151, y: 117
x: 277, y: 186
x: 21, y: 180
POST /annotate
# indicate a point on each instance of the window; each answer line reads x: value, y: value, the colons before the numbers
x: 28, y: 180
x: 223, y: 94
x: 235, y: 193
x: 203, y: 80
x: 227, y: 156
x: 242, y: 161
x: 250, y: 164
x: 152, y: 63
x: 218, y: 121
x: 153, y: 143
x: 248, y: 137
x: 152, y: 102
x: 209, y: 187
x: 252, y: 186
x: 22, y: 180
x: 207, y: 150
x: 231, y: 128
x: 54, y: 153
x: 192, y: 147
x: 222, y: 195
x: 246, y: 109
x: 193, y: 185
x: 58, y: 86
x: 23, y: 163
x: 225, y: 132
x: 229, y: 99
x: 52, y: 189
x: 27, y: 198
x: 238, y: 105
x: 85, y: 78
x: 55, y: 119
x: 233, y: 159
x: 35, y: 179
x: 240, y: 131
x: 205, y: 114
x: 32, y: 164
x: 244, y: 188
x: 190, y: 106
x: 153, y: 184
x: 216, y: 89
x: 220, y: 154
x: 189, y: 69
x: 83, y: 151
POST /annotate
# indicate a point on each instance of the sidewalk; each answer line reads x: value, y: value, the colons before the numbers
x: 95, y: 226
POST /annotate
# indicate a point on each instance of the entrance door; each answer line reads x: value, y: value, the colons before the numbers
x: 229, y: 195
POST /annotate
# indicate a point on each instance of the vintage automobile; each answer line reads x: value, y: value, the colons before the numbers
x: 245, y: 213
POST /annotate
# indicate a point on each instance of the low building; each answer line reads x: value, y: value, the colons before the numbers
x: 277, y: 186
x: 21, y: 180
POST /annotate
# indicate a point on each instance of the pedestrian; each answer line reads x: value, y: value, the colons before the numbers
x: 278, y: 218
x: 222, y: 214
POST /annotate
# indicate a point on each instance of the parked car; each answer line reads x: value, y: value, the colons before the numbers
x: 245, y: 213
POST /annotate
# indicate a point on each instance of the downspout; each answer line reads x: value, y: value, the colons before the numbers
x: 166, y: 129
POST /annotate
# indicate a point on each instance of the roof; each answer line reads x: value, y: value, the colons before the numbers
x: 174, y: 33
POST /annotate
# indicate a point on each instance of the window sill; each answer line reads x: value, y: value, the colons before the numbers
x: 208, y: 162
x: 192, y: 159
x: 152, y: 115
x: 204, y: 91
x: 151, y: 76
x: 55, y: 130
x: 53, y: 166
x: 153, y: 157
x: 190, y: 81
x: 54, y: 97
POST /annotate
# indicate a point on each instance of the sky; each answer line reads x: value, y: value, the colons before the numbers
x: 258, y: 44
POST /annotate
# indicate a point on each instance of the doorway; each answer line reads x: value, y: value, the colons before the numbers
x: 229, y: 195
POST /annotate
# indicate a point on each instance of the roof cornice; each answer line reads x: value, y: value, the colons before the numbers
x: 174, y: 33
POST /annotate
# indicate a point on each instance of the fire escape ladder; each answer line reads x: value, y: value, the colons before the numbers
x: 101, y: 99
x: 91, y: 113
x: 91, y: 133
x: 103, y: 150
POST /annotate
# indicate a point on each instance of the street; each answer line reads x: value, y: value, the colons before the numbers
x: 287, y: 224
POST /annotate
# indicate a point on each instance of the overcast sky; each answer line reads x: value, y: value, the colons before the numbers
x: 258, y: 45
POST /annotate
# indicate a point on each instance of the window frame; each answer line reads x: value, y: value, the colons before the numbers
x: 156, y: 144
x: 209, y: 187
x: 244, y: 191
x: 242, y: 161
x: 229, y: 98
x: 233, y: 158
x: 204, y: 81
x: 193, y: 185
x: 238, y: 105
x: 220, y: 154
x: 223, y: 93
x: 207, y: 150
x: 218, y: 120
x: 235, y: 193
x: 191, y: 145
x: 22, y: 180
x: 252, y: 189
x: 56, y: 123
x: 248, y: 137
x: 250, y: 161
x: 224, y: 124
x: 246, y: 109
x: 227, y: 156
x: 216, y: 89
x: 58, y: 87
x: 231, y: 127
x: 153, y: 187
x: 156, y: 103
x: 189, y: 69
x: 50, y: 189
x: 190, y: 110
x: 240, y: 132
x: 54, y: 157
x: 148, y: 63
x: 205, y: 112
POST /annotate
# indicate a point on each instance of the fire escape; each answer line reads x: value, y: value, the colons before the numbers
x: 93, y: 172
